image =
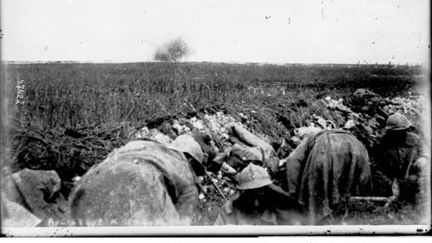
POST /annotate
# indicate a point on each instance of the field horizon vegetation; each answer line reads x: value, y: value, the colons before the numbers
x: 78, y: 96
x: 71, y: 115
x: 75, y: 95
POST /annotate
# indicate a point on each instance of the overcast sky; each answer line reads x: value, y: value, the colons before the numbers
x: 275, y: 31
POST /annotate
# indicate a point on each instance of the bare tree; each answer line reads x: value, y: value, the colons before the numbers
x: 172, y: 51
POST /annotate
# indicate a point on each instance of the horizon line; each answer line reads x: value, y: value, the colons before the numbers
x: 216, y: 62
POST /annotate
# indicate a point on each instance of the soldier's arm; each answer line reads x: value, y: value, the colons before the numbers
x: 294, y: 166
x: 395, y: 193
x: 395, y: 189
x: 221, y: 219
x: 187, y: 197
x: 421, y: 162
x: 380, y: 163
x: 225, y: 216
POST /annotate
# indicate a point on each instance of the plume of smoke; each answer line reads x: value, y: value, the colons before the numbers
x: 172, y: 51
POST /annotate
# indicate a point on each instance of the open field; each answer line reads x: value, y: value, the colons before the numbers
x: 71, y: 115
x: 79, y: 95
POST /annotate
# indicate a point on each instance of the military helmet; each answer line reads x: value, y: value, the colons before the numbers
x: 397, y: 122
x: 364, y: 100
x: 364, y: 95
x: 253, y: 176
x: 187, y: 144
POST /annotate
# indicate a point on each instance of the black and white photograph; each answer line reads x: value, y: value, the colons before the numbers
x: 215, y: 118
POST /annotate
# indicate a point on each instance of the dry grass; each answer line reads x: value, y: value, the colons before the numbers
x: 74, y: 114
x: 95, y: 99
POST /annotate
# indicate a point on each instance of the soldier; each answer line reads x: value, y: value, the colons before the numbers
x: 142, y: 183
x: 247, y: 148
x: 15, y: 215
x: 399, y: 157
x: 37, y: 191
x: 365, y: 101
x: 324, y: 171
x: 259, y: 202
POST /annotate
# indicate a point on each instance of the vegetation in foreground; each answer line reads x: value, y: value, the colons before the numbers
x: 71, y: 115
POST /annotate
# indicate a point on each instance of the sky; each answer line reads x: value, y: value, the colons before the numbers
x: 264, y: 31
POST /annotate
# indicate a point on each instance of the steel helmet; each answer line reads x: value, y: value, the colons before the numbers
x: 397, y: 122
x: 186, y: 144
x: 253, y: 176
